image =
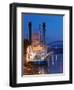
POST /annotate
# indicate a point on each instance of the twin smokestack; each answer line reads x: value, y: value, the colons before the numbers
x: 42, y: 32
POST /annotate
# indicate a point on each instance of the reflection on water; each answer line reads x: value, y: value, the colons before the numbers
x: 53, y: 65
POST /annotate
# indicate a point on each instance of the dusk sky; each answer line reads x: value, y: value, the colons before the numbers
x: 54, y: 25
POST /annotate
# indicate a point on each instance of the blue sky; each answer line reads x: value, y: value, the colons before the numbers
x: 54, y: 25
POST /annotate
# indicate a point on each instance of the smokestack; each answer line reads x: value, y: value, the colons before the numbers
x: 40, y: 33
x: 30, y: 31
x: 44, y: 26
